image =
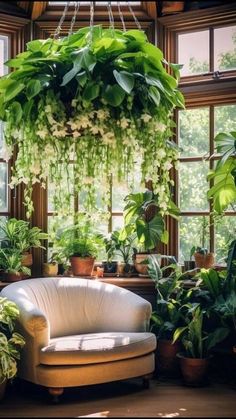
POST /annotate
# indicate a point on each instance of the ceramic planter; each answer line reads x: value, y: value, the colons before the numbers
x: 110, y: 267
x: 50, y: 269
x: 27, y: 259
x: 141, y: 268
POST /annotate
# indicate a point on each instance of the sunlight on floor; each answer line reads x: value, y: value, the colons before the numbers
x: 171, y: 415
x: 96, y: 415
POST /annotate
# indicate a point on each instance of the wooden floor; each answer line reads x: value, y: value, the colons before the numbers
x: 164, y: 398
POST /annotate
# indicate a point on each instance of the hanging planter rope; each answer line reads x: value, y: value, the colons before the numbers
x: 97, y: 101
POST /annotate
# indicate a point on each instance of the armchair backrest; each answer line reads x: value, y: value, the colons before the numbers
x: 77, y: 305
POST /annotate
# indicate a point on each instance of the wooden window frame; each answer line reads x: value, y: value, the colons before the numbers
x: 17, y: 29
x: 198, y: 92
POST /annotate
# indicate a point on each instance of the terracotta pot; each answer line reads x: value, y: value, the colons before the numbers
x: 204, y: 261
x: 50, y: 269
x: 166, y: 359
x: 141, y: 268
x: 194, y: 370
x: 3, y: 389
x: 27, y: 259
x: 8, y: 277
x: 82, y: 266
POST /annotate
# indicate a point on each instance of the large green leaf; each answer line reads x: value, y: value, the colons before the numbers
x: 33, y: 88
x: 125, y: 80
x: 114, y: 95
x: 136, y: 34
x: 224, y: 190
x: 82, y: 59
x: 149, y: 233
x: 154, y: 94
x: 13, y: 90
x: 16, y: 111
x: 91, y: 91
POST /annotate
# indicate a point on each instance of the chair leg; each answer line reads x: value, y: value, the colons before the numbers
x: 55, y: 392
x: 146, y: 380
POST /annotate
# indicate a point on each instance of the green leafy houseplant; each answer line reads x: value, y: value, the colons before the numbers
x: 100, y: 95
x: 11, y: 342
x: 223, y: 192
x: 198, y: 343
x: 79, y: 241
x: 11, y: 265
x: 144, y: 218
x: 167, y: 316
x: 115, y: 246
x: 18, y: 236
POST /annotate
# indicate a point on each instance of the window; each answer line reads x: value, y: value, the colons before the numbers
x: 4, y: 200
x: 205, y: 43
x: 194, y: 128
x: 218, y: 53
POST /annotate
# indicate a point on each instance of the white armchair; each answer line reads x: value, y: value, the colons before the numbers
x: 81, y: 331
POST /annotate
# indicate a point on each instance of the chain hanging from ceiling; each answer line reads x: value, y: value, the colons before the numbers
x: 77, y: 5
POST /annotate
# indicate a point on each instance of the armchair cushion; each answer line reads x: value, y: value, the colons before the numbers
x: 95, y: 348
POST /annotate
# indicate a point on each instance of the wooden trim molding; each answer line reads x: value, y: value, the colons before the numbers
x: 45, y: 29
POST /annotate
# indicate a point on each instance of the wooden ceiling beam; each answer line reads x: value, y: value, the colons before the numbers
x: 38, y: 8
x: 150, y: 8
x: 34, y: 9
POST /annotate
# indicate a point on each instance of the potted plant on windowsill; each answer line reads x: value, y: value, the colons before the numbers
x: 11, y: 343
x: 203, y: 258
x: 17, y: 234
x: 79, y: 243
x: 11, y: 265
x: 109, y: 265
x: 144, y: 218
x: 115, y: 246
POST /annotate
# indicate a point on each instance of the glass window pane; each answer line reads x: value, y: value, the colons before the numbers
x: 193, y: 186
x: 195, y: 59
x: 1, y: 140
x: 194, y: 132
x: 117, y: 222
x: 225, y: 118
x: 225, y: 48
x: 3, y: 187
x: 190, y: 234
x: 225, y: 232
x: 3, y: 54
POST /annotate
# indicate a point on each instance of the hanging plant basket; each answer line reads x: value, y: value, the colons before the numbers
x: 98, y: 101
